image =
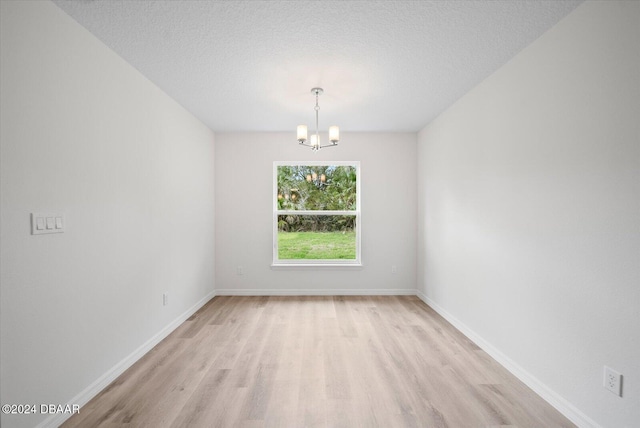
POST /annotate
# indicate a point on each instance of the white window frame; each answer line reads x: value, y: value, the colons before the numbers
x: 357, y: 262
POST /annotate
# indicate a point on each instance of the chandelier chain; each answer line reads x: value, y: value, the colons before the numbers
x: 317, y: 109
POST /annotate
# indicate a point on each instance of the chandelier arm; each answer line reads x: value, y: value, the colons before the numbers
x: 328, y: 145
x: 315, y: 148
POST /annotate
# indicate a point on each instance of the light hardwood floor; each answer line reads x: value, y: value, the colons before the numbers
x: 357, y: 361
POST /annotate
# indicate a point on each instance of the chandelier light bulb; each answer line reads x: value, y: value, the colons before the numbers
x: 302, y: 133
x: 334, y: 134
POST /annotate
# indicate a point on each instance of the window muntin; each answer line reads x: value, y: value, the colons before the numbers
x: 316, y: 213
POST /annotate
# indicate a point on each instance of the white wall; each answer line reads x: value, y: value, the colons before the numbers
x: 244, y: 188
x: 529, y: 212
x: 83, y: 133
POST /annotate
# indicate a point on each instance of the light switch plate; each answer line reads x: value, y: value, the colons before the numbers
x: 42, y: 223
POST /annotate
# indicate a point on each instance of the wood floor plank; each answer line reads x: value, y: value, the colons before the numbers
x: 325, y: 361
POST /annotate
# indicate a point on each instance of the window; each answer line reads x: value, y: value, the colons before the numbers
x: 316, y: 213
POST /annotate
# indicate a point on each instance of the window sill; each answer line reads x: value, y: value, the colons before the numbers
x: 306, y: 266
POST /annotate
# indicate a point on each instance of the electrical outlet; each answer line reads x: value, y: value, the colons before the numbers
x: 394, y: 269
x: 613, y: 381
x: 240, y: 270
x: 165, y: 299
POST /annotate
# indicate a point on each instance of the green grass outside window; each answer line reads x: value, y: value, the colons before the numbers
x: 316, y: 245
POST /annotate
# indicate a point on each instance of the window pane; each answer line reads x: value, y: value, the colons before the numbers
x: 317, y: 187
x: 317, y: 237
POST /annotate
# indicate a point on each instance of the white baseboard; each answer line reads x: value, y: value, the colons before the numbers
x: 314, y: 292
x: 563, y: 406
x: 103, y: 381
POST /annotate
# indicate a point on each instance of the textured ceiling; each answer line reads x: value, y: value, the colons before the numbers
x: 250, y: 65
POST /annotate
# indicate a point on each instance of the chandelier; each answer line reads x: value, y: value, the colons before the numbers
x: 314, y: 141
